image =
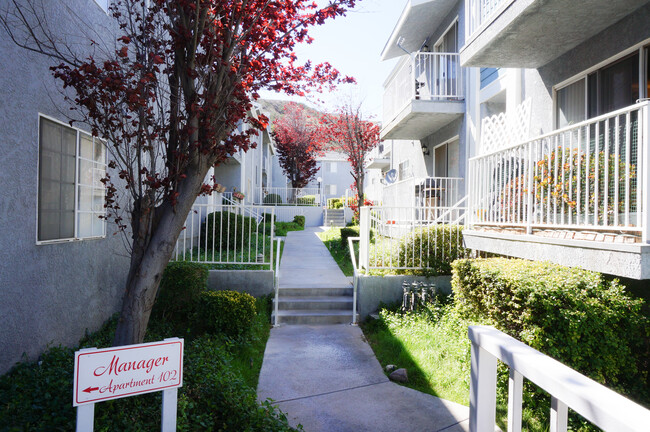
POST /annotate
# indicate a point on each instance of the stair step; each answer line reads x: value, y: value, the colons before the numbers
x: 315, y: 303
x: 315, y: 292
x: 314, y: 317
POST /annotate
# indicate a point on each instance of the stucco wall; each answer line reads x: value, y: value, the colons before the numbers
x: 372, y: 290
x: 538, y: 83
x: 257, y: 283
x: 49, y: 294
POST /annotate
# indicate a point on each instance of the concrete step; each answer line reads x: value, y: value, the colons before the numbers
x: 311, y: 317
x: 315, y: 303
x: 315, y: 292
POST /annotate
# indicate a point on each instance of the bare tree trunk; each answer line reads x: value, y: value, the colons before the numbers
x: 150, y: 257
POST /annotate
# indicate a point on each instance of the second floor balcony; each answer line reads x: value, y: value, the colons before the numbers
x: 531, y: 33
x: 578, y: 196
x: 424, y: 93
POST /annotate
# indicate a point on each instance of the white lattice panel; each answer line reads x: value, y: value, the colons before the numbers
x: 504, y: 130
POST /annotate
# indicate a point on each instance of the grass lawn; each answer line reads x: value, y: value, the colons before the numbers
x: 340, y: 253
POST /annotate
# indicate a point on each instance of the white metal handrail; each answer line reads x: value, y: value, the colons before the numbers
x: 276, y: 281
x: 589, y: 175
x: 224, y: 234
x: 290, y: 196
x: 431, y: 76
x: 406, y: 237
x: 355, y: 277
x: 568, y: 389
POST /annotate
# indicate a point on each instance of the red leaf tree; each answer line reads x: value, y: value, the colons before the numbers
x: 347, y: 132
x: 167, y: 96
x: 296, y: 139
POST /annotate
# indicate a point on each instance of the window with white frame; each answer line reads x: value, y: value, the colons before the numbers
x: 330, y: 189
x: 331, y: 167
x: 611, y: 87
x: 70, y: 192
x: 405, y: 170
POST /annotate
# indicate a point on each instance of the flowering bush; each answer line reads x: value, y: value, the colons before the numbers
x: 238, y: 195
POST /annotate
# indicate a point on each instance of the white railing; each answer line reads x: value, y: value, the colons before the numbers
x: 227, y: 234
x: 591, y: 175
x: 410, y: 237
x: 568, y: 389
x: 442, y: 192
x: 355, y: 276
x: 290, y: 196
x: 276, y: 283
x: 480, y: 13
x: 424, y: 76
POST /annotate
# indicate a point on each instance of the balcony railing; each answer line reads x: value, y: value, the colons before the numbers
x: 431, y: 192
x: 479, y: 13
x: 588, y: 176
x: 290, y: 196
x: 425, y: 76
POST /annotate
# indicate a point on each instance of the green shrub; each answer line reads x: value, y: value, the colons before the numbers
x: 433, y: 248
x: 300, y: 220
x: 227, y: 230
x: 224, y: 312
x: 352, y: 231
x: 273, y: 199
x: 181, y: 284
x: 334, y: 203
x: 572, y: 315
x: 306, y: 200
x: 268, y: 218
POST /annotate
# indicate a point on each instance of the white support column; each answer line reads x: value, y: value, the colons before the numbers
x: 515, y: 391
x: 559, y: 415
x: 364, y: 234
x: 643, y: 150
x: 482, y: 390
x: 169, y: 406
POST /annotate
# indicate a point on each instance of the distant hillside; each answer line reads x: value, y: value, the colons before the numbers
x: 274, y: 108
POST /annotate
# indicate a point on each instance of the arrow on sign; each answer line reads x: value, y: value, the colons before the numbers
x: 90, y: 389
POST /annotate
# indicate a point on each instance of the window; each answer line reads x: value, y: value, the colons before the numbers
x: 332, y: 167
x: 330, y: 189
x: 104, y: 4
x: 447, y: 158
x: 70, y: 192
x: 605, y: 90
x: 405, y: 170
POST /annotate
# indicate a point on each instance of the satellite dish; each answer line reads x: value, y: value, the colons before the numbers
x: 391, y: 176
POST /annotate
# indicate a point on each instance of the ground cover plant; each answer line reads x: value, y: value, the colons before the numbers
x: 578, y: 317
x: 220, y: 371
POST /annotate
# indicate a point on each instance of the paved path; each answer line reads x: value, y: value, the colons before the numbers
x: 327, y: 378
x: 306, y: 262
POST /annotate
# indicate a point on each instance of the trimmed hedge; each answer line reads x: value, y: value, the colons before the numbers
x: 352, y: 231
x: 306, y: 200
x: 228, y: 230
x: 433, y: 248
x: 227, y: 312
x: 273, y: 199
x: 180, y: 287
x: 572, y: 315
x: 300, y: 220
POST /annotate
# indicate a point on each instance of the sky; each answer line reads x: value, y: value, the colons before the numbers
x: 353, y: 45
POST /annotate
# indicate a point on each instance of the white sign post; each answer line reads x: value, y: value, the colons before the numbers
x: 112, y: 373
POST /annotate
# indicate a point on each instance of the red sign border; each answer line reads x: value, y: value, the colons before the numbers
x: 75, y: 401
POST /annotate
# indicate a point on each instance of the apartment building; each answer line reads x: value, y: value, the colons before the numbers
x: 535, y: 113
x: 62, y: 269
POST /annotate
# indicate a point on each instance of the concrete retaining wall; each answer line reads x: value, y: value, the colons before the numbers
x: 372, y: 290
x: 257, y: 283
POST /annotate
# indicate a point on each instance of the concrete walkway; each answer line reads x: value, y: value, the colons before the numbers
x: 327, y: 378
x: 306, y: 262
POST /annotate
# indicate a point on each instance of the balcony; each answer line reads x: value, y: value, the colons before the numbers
x: 424, y: 93
x: 578, y: 196
x: 531, y: 33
